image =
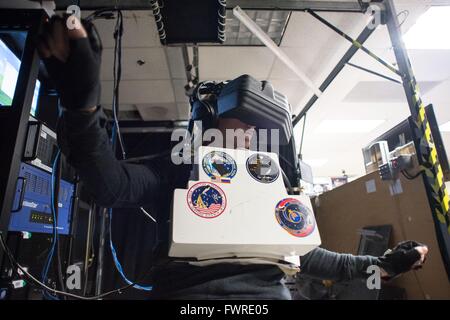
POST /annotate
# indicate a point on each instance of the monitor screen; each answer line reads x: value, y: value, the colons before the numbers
x: 34, y: 104
x: 9, y: 72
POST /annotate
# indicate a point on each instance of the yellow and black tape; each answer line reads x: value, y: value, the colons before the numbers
x: 430, y: 163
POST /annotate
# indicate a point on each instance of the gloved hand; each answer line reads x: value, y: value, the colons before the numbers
x: 406, y: 256
x: 73, y: 58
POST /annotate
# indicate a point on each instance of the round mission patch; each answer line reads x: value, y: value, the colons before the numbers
x: 206, y: 200
x: 262, y: 168
x: 294, y: 217
x: 219, y: 166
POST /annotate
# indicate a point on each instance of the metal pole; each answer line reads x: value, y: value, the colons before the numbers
x: 356, y: 43
x: 373, y: 72
x: 89, y: 239
x: 427, y: 152
x: 365, y: 34
x: 289, y: 5
x: 101, y: 251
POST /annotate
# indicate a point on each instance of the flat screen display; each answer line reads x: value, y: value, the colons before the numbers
x: 9, y: 72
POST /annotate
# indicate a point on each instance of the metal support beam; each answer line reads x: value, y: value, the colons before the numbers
x: 101, y: 250
x: 289, y: 5
x: 433, y: 176
x: 355, y: 43
x: 365, y: 34
x: 277, y: 51
x: 373, y: 72
x: 295, y: 5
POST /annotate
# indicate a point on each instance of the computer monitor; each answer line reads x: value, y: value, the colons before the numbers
x: 9, y: 72
x: 402, y: 134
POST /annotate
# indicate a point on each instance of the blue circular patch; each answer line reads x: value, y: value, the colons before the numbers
x: 219, y: 166
x: 294, y: 217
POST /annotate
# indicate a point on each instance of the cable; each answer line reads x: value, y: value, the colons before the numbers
x: 44, y: 286
x: 117, y: 73
x: 54, y: 223
x: 409, y: 176
x: 404, y: 12
x: 286, y: 181
x: 148, y: 214
x: 117, y: 262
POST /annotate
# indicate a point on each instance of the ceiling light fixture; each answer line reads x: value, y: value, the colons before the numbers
x: 430, y: 30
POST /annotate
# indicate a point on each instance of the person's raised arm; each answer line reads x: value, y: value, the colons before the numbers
x: 73, y: 58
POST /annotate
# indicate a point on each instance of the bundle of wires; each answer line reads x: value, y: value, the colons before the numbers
x: 118, y: 32
x: 53, y: 206
x: 33, y: 279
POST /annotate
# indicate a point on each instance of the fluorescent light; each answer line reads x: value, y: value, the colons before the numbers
x: 348, y: 126
x: 445, y: 127
x: 430, y: 30
x: 315, y: 163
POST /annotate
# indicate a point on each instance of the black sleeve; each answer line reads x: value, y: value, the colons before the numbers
x: 327, y: 265
x: 84, y: 141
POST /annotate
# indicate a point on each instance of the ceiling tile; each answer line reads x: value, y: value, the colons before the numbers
x: 140, y: 91
x: 383, y: 91
x: 154, y: 67
x: 304, y: 31
x: 139, y: 30
x: 226, y: 63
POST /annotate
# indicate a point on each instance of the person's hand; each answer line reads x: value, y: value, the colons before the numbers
x: 406, y: 256
x: 72, y: 58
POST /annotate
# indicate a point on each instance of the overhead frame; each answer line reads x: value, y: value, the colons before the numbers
x: 289, y: 5
x: 427, y: 154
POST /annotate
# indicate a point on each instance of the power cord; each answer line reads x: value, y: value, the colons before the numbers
x: 54, y: 224
x: 411, y: 177
x: 33, y: 279
x: 117, y: 73
x: 119, y: 265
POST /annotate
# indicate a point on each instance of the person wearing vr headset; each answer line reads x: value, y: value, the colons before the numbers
x: 72, y: 59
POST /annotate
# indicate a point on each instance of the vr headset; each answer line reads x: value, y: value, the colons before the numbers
x: 245, y: 98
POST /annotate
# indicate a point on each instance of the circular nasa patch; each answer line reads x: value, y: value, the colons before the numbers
x: 219, y: 166
x: 294, y: 217
x: 206, y: 200
x: 262, y: 168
